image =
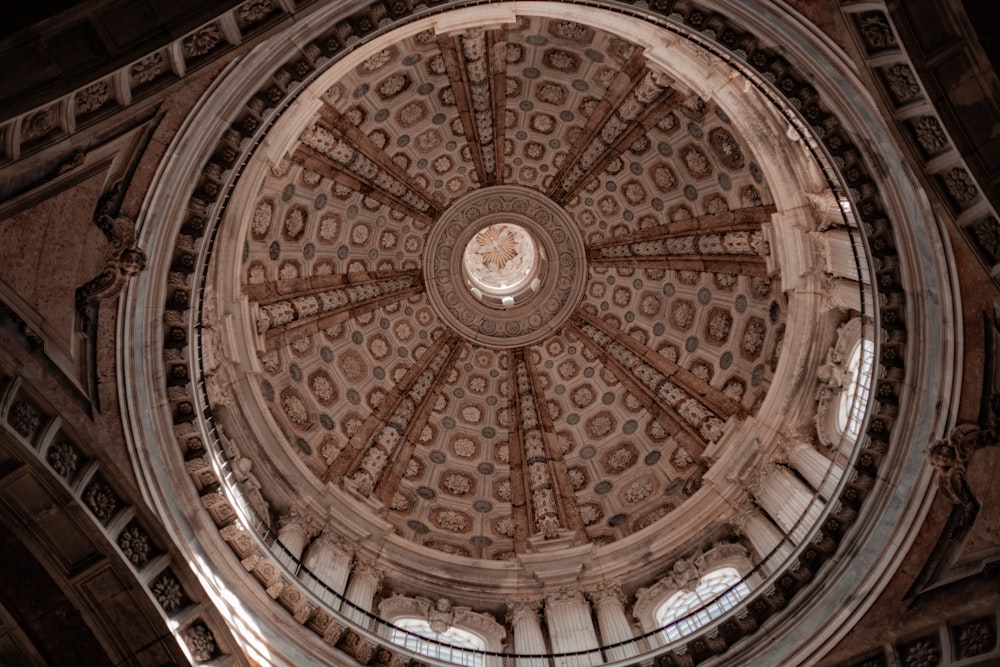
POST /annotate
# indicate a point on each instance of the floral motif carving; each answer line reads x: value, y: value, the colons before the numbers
x: 719, y: 324
x: 726, y: 147
x: 681, y: 458
x: 753, y: 338
x: 92, y: 97
x: 38, y: 124
x: 451, y: 520
x: 650, y: 305
x: 976, y: 638
x: 504, y: 526
x: 664, y: 178
x: 134, y: 544
x: 168, y: 592
x: 200, y: 642
x: 379, y: 59
x: 960, y: 186
x: 64, y: 459
x: 601, y: 425
x: 696, y: 162
x: 760, y: 287
x: 560, y: 60
x: 255, y: 10
x: 590, y: 513
x: 571, y: 30
x: 682, y: 315
x: 295, y: 223
x: 24, y: 418
x: 620, y: 458
x: 922, y: 654
x: 329, y: 227
x: 400, y: 503
x: 930, y: 134
x: 322, y: 386
x: 638, y: 490
x: 471, y: 414
x: 458, y: 484
x: 296, y: 410
x: 201, y: 41
x: 101, y: 500
x: 987, y: 233
x: 465, y: 447
x: 393, y: 85
x: 583, y: 396
x: 902, y: 82
x: 876, y: 31
x: 148, y: 68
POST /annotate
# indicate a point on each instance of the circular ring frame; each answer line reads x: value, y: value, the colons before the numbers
x: 523, y: 323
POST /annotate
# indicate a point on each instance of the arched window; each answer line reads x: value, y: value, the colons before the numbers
x: 854, y: 397
x: 686, y: 611
x: 410, y: 633
x: 843, y: 396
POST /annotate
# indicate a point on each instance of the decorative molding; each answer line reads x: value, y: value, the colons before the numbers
x: 759, y: 59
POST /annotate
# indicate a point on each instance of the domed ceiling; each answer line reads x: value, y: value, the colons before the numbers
x: 579, y: 411
x: 512, y: 304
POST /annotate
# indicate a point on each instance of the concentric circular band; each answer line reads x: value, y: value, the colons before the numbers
x: 560, y: 287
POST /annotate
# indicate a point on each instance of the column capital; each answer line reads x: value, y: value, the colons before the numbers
x: 334, y: 540
x: 745, y: 512
x: 368, y: 569
x: 607, y: 592
x: 564, y: 595
x: 293, y: 518
x: 521, y: 608
x: 757, y: 479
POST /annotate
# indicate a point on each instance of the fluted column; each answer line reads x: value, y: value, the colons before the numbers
x: 364, y: 583
x: 765, y: 538
x: 522, y: 614
x: 571, y: 628
x: 609, y: 605
x: 844, y: 294
x: 821, y: 473
x: 294, y: 532
x: 838, y: 253
x: 786, y: 499
x: 330, y: 561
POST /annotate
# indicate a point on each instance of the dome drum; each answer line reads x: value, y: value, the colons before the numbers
x: 553, y: 425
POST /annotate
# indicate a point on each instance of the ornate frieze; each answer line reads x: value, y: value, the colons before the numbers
x: 560, y: 286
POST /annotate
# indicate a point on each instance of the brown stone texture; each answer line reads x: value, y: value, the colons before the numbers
x: 51, y: 249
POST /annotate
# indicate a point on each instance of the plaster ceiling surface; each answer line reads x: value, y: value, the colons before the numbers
x: 696, y: 297
x: 580, y: 415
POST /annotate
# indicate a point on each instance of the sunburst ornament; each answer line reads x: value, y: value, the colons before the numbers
x: 499, y: 263
x: 497, y: 245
